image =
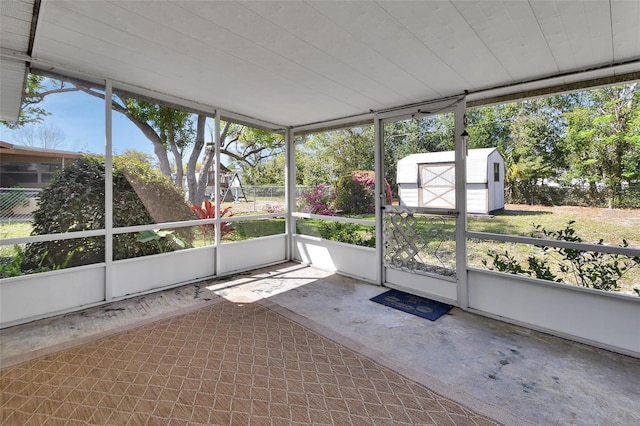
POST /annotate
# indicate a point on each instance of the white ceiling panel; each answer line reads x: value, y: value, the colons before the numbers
x: 457, y: 46
x: 15, y: 24
x: 341, y: 51
x: 12, y: 75
x: 578, y: 34
x: 511, y: 32
x: 265, y: 44
x: 15, y: 30
x: 293, y: 63
x: 625, y: 20
x: 403, y: 61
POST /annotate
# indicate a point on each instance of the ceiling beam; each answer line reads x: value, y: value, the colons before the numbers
x: 520, y: 92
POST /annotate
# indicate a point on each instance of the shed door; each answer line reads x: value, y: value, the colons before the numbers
x: 437, y: 185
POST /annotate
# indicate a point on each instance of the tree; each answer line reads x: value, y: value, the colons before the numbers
x: 535, y: 154
x: 601, y: 139
x: 257, y: 153
x: 135, y: 155
x: 326, y: 156
x: 355, y: 193
x: 401, y: 138
x: 631, y: 158
x: 267, y: 173
x: 170, y: 130
x: 490, y: 126
x: 44, y: 136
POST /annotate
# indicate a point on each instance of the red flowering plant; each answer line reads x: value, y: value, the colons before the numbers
x: 209, y: 212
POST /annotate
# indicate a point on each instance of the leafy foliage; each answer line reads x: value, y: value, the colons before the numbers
x: 602, y: 141
x: 31, y: 113
x: 74, y: 201
x: 355, y: 193
x: 209, y: 212
x: 591, y: 269
x: 316, y: 200
x: 349, y: 233
x: 324, y: 157
x: 11, y: 266
x: 157, y: 235
x: 423, y: 134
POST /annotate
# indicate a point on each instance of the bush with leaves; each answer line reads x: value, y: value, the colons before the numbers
x: 74, y: 201
x: 355, y: 193
x: 591, y: 269
x: 316, y: 200
x: 349, y: 233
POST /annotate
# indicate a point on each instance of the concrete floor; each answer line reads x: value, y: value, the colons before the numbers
x: 539, y: 378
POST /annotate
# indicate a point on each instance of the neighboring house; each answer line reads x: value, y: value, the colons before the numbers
x: 428, y: 180
x: 29, y: 167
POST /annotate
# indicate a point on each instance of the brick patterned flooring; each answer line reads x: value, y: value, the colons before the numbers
x: 227, y: 363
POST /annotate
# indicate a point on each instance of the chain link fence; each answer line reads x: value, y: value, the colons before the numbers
x: 18, y: 204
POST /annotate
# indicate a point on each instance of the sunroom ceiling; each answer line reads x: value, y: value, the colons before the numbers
x: 299, y: 62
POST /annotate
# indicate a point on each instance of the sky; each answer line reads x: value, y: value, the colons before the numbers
x: 81, y: 118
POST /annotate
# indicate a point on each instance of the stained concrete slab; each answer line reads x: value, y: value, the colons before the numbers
x: 540, y: 378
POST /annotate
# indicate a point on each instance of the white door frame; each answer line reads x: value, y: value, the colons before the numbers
x: 454, y: 291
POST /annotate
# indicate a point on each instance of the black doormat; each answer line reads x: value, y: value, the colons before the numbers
x: 416, y: 305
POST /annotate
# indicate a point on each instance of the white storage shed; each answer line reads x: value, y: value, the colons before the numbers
x: 428, y: 180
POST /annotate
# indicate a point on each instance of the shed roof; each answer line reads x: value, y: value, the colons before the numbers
x: 477, y: 164
x: 293, y: 63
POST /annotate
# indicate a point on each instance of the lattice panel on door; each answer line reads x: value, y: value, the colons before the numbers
x: 419, y: 242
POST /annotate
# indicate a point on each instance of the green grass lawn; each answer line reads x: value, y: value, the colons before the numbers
x: 15, y: 229
x: 12, y: 230
x: 591, y: 224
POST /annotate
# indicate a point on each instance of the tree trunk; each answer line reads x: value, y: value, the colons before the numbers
x: 158, y: 147
x: 203, y: 176
x: 177, y: 155
x: 163, y: 159
x: 195, y: 195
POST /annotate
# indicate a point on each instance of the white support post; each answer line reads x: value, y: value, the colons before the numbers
x: 290, y: 191
x: 216, y: 188
x: 461, y: 202
x: 378, y: 131
x: 108, y: 193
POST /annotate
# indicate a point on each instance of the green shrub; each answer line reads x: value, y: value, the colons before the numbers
x: 349, y: 233
x: 74, y: 201
x: 316, y: 200
x: 355, y: 193
x: 591, y: 269
x: 10, y: 266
